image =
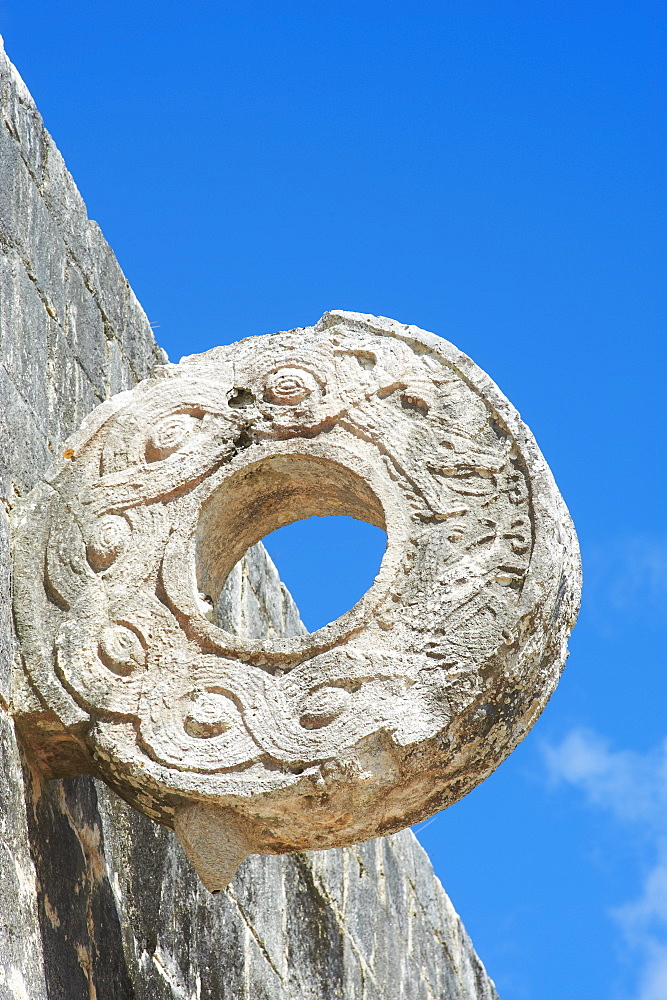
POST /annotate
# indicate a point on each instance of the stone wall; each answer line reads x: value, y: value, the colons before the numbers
x: 98, y: 902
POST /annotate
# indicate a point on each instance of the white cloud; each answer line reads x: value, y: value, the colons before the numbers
x: 633, y: 787
x: 654, y: 977
x: 627, y: 578
x: 644, y: 924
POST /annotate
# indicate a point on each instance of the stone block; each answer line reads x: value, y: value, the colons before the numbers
x: 259, y: 893
x: 84, y: 329
x: 137, y: 338
x: 21, y: 118
x: 265, y: 583
x: 396, y: 880
x: 64, y: 203
x: 71, y: 394
x: 23, y: 333
x: 27, y: 227
x: 263, y: 978
x: 361, y: 912
x: 120, y: 375
x: 315, y: 953
x: 6, y: 631
x: 21, y: 965
x: 330, y: 871
x: 23, y: 443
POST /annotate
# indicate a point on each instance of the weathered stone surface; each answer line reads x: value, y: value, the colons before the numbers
x: 122, y: 914
x: 254, y: 603
x: 374, y: 722
x: 309, y: 927
x: 21, y: 966
x: 54, y: 339
x: 97, y: 900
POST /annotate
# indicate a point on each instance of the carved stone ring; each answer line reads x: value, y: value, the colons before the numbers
x: 377, y: 720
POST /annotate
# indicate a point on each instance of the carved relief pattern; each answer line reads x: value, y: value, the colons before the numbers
x: 375, y: 720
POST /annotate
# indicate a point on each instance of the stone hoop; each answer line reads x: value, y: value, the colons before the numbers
x: 373, y: 722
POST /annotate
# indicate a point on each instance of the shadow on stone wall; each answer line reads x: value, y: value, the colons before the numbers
x: 81, y: 930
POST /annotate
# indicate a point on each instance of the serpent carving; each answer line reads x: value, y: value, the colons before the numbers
x: 391, y: 712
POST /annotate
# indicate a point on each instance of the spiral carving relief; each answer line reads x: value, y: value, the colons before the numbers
x: 375, y: 721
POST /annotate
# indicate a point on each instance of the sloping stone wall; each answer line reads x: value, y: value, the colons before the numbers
x: 96, y: 901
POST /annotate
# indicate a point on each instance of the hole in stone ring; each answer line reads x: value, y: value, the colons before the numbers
x: 327, y: 564
x: 271, y: 494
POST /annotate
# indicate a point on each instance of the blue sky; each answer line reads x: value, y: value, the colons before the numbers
x: 493, y: 172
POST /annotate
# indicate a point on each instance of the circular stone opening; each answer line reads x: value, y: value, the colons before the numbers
x: 259, y: 499
x: 326, y: 565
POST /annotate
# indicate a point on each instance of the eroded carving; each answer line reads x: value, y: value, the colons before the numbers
x: 374, y: 722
